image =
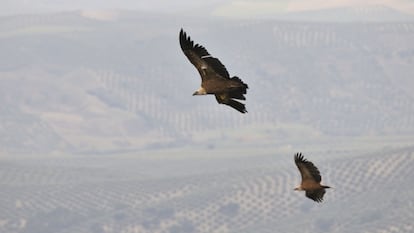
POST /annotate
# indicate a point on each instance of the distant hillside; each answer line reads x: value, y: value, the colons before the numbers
x: 367, y: 13
x: 242, y: 194
x: 71, y: 83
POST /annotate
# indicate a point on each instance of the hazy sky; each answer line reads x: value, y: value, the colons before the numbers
x: 222, y: 7
x: 300, y: 5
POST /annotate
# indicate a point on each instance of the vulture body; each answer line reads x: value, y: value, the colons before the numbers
x: 215, y: 80
x: 311, y: 179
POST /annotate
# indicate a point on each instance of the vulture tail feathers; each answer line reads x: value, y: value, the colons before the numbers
x: 237, y: 79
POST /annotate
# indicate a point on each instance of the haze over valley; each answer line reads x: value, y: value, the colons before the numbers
x: 99, y: 131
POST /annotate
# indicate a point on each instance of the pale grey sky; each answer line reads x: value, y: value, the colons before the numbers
x: 221, y: 7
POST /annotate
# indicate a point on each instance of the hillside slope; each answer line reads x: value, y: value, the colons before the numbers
x: 92, y: 86
x: 243, y: 194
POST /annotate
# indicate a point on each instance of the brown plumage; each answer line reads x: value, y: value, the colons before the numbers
x: 215, y: 79
x: 311, y: 179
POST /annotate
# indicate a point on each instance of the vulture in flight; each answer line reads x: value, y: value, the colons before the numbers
x: 311, y: 179
x: 215, y: 80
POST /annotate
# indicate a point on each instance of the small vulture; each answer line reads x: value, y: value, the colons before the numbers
x: 311, y: 179
x: 215, y: 79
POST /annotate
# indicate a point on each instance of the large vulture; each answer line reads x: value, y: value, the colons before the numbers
x: 311, y: 179
x: 215, y: 79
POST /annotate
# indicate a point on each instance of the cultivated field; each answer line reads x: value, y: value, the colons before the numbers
x: 231, y: 194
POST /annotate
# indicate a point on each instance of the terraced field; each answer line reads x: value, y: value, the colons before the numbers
x: 371, y: 193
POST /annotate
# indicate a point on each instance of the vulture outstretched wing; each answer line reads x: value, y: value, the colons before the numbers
x: 316, y: 195
x: 207, y: 65
x: 308, y: 171
x: 225, y: 99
